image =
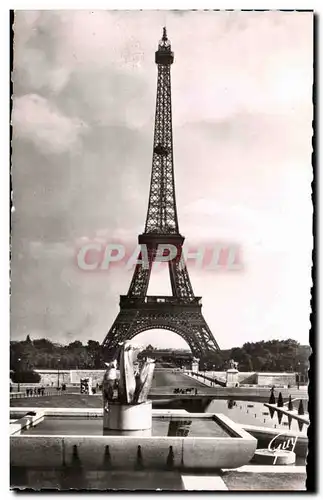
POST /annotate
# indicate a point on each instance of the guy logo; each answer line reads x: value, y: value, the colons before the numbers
x: 287, y: 445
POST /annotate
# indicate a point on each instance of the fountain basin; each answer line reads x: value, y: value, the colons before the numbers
x: 33, y: 450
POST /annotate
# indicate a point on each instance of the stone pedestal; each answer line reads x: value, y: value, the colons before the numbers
x: 277, y: 457
x: 195, y: 366
x: 232, y: 378
x: 86, y: 385
x: 123, y: 418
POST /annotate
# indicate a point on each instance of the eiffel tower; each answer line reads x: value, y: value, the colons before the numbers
x: 180, y: 312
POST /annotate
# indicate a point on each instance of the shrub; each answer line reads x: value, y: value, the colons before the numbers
x: 272, y: 399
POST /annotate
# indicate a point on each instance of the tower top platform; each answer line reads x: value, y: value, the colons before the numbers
x: 164, y: 54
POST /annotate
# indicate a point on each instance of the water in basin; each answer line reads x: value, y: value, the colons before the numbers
x: 161, y: 426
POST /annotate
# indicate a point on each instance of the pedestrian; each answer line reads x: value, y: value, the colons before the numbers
x: 195, y: 392
x: 109, y: 381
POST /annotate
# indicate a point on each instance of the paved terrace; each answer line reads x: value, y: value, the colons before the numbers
x: 246, y: 478
x: 165, y: 381
x: 249, y: 477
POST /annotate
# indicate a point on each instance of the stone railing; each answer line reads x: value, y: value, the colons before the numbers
x: 206, y: 380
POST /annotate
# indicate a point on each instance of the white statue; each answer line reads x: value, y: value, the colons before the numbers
x: 134, y: 383
x: 233, y: 364
x: 144, y: 380
x: 127, y: 382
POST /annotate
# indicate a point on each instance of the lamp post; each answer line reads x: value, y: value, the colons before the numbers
x: 18, y: 371
x: 58, y: 373
x: 298, y: 374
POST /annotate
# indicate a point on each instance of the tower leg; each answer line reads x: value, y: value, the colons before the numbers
x: 190, y: 325
x: 119, y: 332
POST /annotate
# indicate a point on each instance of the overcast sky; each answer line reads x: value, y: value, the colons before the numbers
x: 85, y: 87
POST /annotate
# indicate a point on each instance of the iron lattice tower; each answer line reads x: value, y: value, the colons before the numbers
x: 181, y: 312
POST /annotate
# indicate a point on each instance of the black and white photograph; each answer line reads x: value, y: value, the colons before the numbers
x: 161, y: 238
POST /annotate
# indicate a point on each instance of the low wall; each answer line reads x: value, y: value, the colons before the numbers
x: 258, y: 378
x: 90, y: 452
x: 247, y: 378
x: 243, y: 377
x: 276, y: 378
x: 96, y: 375
x: 50, y: 377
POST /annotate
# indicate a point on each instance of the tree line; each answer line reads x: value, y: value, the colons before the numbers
x: 271, y: 356
x: 29, y: 354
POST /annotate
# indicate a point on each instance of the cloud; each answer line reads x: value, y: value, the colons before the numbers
x: 36, y: 119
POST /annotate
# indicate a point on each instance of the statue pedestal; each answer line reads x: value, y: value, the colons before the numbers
x: 195, y: 367
x: 122, y: 417
x: 232, y: 378
x: 277, y: 457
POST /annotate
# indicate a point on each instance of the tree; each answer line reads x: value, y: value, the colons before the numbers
x: 75, y: 345
x: 246, y: 363
x: 280, y: 401
x: 274, y: 355
x: 44, y: 344
x: 25, y: 377
x: 301, y: 408
x: 93, y: 345
x: 272, y: 399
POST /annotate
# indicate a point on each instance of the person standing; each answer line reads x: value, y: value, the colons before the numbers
x: 109, y: 381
